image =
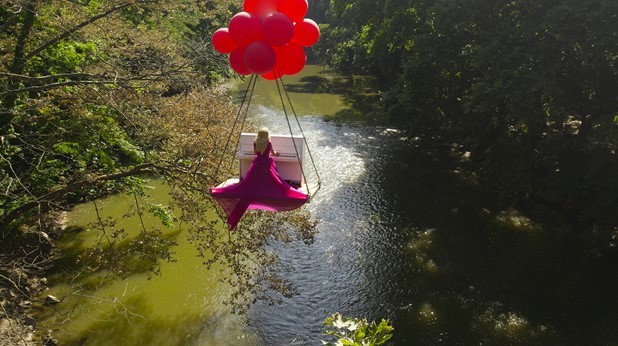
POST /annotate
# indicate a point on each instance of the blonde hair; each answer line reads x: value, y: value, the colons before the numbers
x: 262, y: 139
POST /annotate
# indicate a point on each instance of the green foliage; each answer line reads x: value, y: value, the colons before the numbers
x: 525, y: 87
x: 163, y: 213
x: 79, y: 96
x: 356, y: 332
x: 65, y: 57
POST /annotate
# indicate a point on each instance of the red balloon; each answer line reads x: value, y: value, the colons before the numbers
x: 270, y: 75
x: 295, y: 9
x: 306, y: 33
x: 260, y: 8
x: 291, y: 59
x: 244, y: 28
x: 277, y: 29
x: 237, y: 61
x: 259, y: 57
x: 222, y: 41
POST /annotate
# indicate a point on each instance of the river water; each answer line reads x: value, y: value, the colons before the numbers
x: 393, y: 242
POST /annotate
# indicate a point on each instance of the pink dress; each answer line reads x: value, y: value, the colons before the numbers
x: 262, y: 188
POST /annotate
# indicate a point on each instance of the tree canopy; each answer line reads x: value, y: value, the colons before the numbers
x: 526, y: 87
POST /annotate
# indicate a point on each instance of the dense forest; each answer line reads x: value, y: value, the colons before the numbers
x: 526, y: 87
x: 96, y: 95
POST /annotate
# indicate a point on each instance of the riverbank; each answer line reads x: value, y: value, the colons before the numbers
x: 20, y: 288
x: 23, y: 281
x: 17, y: 326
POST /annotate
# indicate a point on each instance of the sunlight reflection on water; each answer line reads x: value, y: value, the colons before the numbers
x: 349, y: 268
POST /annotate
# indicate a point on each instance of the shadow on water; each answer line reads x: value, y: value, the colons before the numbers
x: 121, y: 325
x: 480, y: 275
x: 406, y: 234
x: 318, y: 91
x: 180, y: 306
x: 358, y: 92
x: 135, y: 254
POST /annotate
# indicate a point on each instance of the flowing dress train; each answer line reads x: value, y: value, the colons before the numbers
x: 262, y: 188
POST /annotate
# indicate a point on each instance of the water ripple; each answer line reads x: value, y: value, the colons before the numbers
x: 349, y: 267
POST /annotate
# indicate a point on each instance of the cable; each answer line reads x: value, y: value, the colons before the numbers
x: 249, y: 86
x: 287, y: 119
x: 303, y: 135
x: 244, y: 119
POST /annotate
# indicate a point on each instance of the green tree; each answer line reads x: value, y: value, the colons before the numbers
x: 71, y: 87
x: 525, y: 87
x: 94, y: 96
x: 357, y: 332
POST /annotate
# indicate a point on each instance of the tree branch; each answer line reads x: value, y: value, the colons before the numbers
x: 44, y: 200
x: 76, y: 76
x: 78, y: 79
x: 53, y: 85
x: 18, y: 62
x: 9, y: 21
x: 6, y: 314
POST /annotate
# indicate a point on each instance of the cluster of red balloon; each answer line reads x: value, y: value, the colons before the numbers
x: 268, y: 37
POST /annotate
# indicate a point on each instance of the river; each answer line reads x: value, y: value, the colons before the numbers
x: 401, y: 236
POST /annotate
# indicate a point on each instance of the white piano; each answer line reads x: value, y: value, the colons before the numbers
x: 288, y: 163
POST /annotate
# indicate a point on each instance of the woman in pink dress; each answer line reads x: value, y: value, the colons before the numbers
x: 262, y: 188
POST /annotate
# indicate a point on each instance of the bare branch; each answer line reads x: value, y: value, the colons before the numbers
x: 6, y: 314
x: 16, y: 286
x: 9, y: 21
x: 77, y: 79
x: 54, y: 85
x: 74, y: 76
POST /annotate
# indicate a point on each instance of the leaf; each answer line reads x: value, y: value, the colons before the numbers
x: 165, y: 215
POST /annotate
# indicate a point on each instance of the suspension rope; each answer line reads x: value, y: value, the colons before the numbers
x: 248, y: 91
x: 303, y: 135
x: 250, y: 86
x: 244, y: 119
x: 287, y: 119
